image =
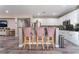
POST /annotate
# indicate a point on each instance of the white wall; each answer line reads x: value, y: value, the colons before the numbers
x: 46, y: 21
x: 11, y: 24
x: 78, y: 16
x: 72, y: 16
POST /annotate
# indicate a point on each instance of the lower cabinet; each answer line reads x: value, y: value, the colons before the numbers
x: 72, y: 36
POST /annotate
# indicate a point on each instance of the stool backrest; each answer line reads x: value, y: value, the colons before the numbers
x: 28, y: 31
x: 40, y: 31
x: 51, y: 31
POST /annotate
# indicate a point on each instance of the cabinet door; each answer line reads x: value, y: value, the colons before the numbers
x: 65, y: 35
x: 74, y: 38
x: 71, y: 36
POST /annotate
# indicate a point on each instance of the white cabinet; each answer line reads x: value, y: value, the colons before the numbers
x: 3, y: 32
x: 71, y: 36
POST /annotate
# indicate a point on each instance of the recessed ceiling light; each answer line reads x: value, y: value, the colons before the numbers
x: 6, y: 11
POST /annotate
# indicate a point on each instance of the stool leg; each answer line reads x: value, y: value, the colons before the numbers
x: 37, y: 42
x: 47, y: 42
x: 24, y: 42
x: 24, y: 46
x: 42, y: 42
x: 29, y: 43
x: 53, y: 42
x: 32, y: 39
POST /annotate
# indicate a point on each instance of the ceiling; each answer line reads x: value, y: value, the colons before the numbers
x: 36, y: 10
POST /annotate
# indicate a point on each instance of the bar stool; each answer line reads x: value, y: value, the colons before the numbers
x: 27, y: 37
x: 51, y: 34
x: 40, y: 34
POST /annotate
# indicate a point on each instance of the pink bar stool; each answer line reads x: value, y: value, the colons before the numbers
x: 27, y: 36
x: 51, y: 33
x: 40, y: 33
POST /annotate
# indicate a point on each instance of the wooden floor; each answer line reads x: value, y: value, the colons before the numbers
x: 9, y: 45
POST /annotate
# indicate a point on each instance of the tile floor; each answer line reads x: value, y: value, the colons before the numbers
x: 9, y: 45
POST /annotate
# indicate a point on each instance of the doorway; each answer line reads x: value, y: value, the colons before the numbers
x: 22, y: 23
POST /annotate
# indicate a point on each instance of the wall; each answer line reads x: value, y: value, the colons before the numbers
x: 11, y: 24
x: 78, y: 16
x: 72, y: 16
x: 46, y: 21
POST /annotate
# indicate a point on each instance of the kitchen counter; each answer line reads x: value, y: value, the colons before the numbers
x: 70, y: 30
